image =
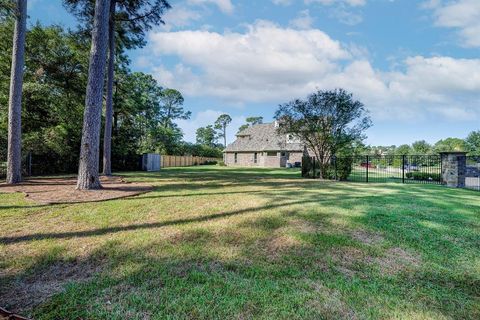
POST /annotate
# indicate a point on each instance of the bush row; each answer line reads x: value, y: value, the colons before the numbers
x: 423, y: 176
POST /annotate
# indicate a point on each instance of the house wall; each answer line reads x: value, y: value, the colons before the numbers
x: 245, y: 159
x: 295, y: 157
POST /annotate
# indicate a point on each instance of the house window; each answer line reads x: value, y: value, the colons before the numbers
x: 255, y: 158
x: 271, y: 154
x: 235, y: 157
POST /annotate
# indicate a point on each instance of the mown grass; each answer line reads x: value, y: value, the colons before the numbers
x: 223, y: 243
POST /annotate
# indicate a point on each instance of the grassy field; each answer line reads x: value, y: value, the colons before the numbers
x: 226, y: 243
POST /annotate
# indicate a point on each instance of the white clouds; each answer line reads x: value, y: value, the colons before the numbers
x: 268, y: 63
x: 353, y: 3
x: 302, y: 21
x: 187, y: 12
x: 342, y: 10
x: 205, y: 118
x: 282, y: 2
x: 180, y: 16
x: 264, y: 62
x: 346, y: 16
x: 463, y: 15
x: 225, y: 6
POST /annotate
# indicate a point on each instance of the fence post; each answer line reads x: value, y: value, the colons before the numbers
x: 454, y: 167
x: 366, y: 176
x: 403, y: 168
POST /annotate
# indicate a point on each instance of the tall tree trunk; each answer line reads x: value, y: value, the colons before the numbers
x: 14, y: 156
x: 88, y: 177
x: 107, y: 134
x: 225, y: 136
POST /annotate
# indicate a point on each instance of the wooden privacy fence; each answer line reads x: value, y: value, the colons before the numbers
x: 185, y: 161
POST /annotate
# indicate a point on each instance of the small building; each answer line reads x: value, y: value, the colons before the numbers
x: 262, y: 146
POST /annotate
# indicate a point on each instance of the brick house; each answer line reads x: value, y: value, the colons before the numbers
x: 262, y: 146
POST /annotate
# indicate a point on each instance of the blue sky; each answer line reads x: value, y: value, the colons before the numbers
x: 414, y: 64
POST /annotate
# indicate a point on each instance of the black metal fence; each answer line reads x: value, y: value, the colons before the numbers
x: 3, y: 169
x: 51, y: 164
x: 472, y: 174
x: 378, y: 168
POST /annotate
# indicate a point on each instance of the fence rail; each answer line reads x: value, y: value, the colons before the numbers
x: 367, y: 168
x: 472, y: 174
x: 3, y: 169
x: 429, y: 169
x: 185, y: 161
x: 38, y: 165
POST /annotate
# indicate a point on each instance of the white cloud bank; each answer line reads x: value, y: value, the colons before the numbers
x: 268, y: 63
x: 353, y: 3
x: 463, y: 15
x: 225, y: 6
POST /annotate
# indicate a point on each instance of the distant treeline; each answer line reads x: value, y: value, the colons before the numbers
x: 55, y: 76
x: 471, y: 145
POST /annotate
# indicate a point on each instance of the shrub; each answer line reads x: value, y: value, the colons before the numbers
x: 210, y: 162
x: 339, y: 169
x: 221, y: 164
x: 423, y: 176
x: 344, y: 168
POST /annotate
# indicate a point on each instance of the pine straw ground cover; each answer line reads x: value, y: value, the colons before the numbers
x: 228, y: 243
x: 58, y: 190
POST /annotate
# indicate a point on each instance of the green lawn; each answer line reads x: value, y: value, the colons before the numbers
x: 228, y: 243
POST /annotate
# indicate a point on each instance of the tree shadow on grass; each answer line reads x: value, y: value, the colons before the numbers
x: 251, y: 282
x: 132, y: 227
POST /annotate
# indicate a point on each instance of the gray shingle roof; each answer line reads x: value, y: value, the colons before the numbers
x: 262, y: 137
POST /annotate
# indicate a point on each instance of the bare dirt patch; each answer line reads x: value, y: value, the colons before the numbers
x: 353, y: 262
x: 62, y: 190
x: 397, y: 260
x: 366, y: 237
x: 281, y: 244
x: 22, y: 293
x: 350, y: 260
x: 330, y: 303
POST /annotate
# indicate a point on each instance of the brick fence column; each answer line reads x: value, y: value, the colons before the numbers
x: 454, y: 167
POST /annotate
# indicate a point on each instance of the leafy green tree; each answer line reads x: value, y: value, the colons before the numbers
x: 8, y: 9
x: 221, y: 125
x: 450, y: 144
x: 129, y: 20
x: 250, y: 121
x: 146, y: 113
x: 206, y: 136
x: 53, y: 94
x: 421, y: 147
x: 254, y: 120
x: 171, y: 108
x: 403, y: 149
x: 327, y: 121
x: 473, y: 143
x: 199, y: 150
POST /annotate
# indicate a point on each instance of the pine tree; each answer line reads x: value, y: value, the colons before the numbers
x: 88, y: 177
x: 14, y: 154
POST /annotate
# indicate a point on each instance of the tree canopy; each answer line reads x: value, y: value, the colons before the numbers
x: 207, y: 136
x: 327, y: 122
x: 250, y: 121
x: 221, y: 125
